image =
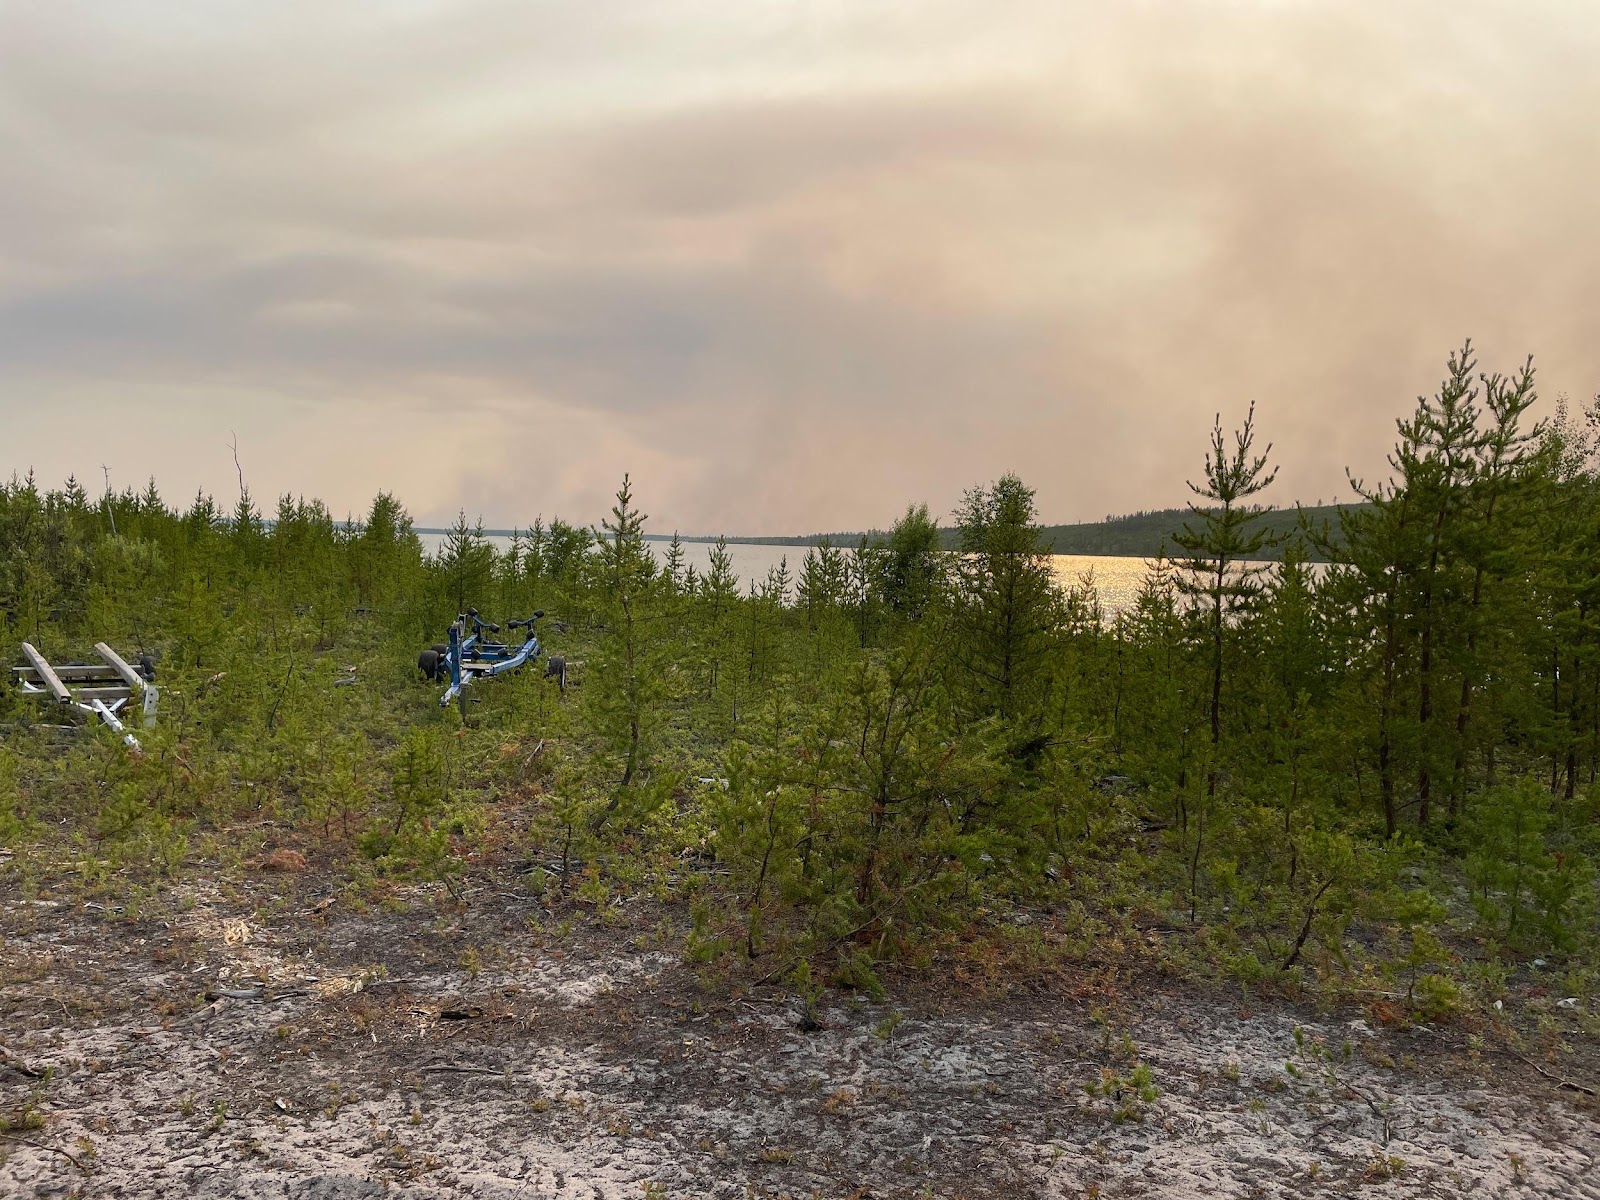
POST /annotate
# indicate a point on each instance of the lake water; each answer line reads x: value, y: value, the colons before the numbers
x: 1116, y: 579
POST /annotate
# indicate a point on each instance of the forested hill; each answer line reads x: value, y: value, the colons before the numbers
x: 1138, y: 535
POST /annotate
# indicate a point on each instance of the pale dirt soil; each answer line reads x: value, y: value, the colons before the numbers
x: 598, y: 1064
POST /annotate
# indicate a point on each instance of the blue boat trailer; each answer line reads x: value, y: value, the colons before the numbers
x: 470, y: 655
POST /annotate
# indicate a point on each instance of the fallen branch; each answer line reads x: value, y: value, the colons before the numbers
x: 209, y: 1010
x: 1553, y: 1077
x: 71, y: 1158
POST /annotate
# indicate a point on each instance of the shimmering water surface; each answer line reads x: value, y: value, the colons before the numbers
x: 1116, y: 579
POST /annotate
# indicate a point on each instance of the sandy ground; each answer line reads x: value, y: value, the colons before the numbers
x: 476, y: 1050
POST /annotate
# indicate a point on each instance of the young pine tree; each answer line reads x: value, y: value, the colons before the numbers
x: 1381, y: 545
x: 628, y: 675
x: 1220, y: 547
x: 1491, y: 545
x: 1437, y: 459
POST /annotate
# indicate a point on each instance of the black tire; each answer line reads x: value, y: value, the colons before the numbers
x: 428, y: 664
x: 441, y: 649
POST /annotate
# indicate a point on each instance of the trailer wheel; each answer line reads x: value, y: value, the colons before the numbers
x: 440, y: 648
x: 428, y: 664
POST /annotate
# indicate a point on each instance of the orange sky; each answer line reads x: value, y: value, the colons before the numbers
x: 792, y: 266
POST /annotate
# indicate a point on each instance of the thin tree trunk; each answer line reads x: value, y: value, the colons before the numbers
x: 1555, y: 712
x: 761, y: 876
x: 869, y: 864
x: 1305, y: 928
x: 1572, y: 731
x: 633, y: 752
x: 1385, y: 712
x: 1425, y: 667
x: 1194, y: 863
x: 1425, y: 714
x: 1216, y: 682
x: 1594, y: 728
x: 1464, y: 705
x: 1459, y: 767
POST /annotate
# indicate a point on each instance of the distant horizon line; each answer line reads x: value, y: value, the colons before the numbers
x: 839, y: 537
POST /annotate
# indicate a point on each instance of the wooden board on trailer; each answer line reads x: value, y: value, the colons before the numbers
x: 47, y: 674
x: 126, y: 673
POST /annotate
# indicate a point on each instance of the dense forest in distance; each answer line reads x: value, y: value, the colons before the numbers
x: 1379, y: 775
x: 1137, y: 535
x: 1146, y: 534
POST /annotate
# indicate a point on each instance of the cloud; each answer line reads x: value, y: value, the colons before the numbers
x: 793, y: 267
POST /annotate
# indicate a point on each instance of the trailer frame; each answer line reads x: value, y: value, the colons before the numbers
x: 470, y: 655
x: 103, y: 690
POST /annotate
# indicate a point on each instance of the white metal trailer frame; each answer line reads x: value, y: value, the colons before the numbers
x: 102, y: 690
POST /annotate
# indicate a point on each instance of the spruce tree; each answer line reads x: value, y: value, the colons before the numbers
x: 864, y: 587
x: 466, y: 564
x: 719, y: 592
x: 1007, y: 606
x: 912, y: 564
x: 672, y: 569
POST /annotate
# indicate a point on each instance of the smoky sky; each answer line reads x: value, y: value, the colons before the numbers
x: 791, y: 266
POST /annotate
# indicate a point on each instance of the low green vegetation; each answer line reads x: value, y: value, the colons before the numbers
x: 1376, y: 775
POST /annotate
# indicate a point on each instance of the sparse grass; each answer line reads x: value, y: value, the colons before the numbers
x: 1384, y: 1166
x: 839, y: 1100
x: 28, y: 1117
